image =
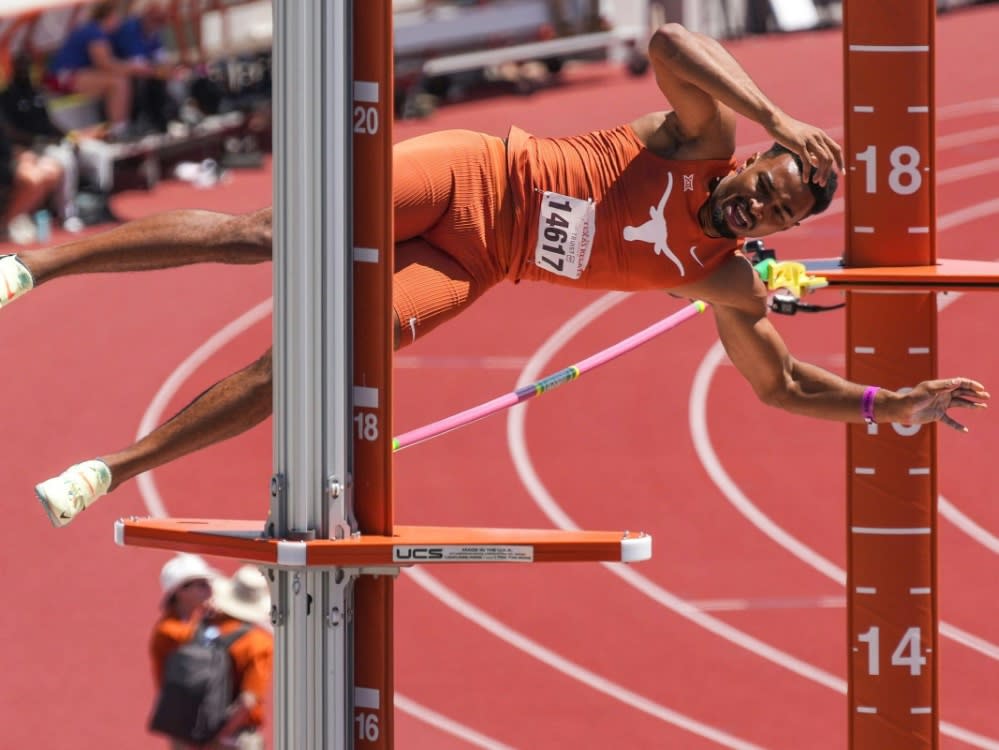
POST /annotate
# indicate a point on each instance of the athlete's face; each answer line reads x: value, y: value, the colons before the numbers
x: 766, y: 195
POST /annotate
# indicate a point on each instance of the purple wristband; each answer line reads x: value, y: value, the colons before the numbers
x: 867, y: 403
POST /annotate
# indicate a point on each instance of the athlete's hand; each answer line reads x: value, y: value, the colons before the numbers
x: 930, y: 400
x: 819, y: 153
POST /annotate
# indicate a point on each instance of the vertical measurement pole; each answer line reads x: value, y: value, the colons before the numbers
x: 891, y: 342
x: 371, y: 118
x: 311, y: 360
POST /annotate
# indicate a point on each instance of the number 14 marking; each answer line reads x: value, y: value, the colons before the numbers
x: 906, y: 654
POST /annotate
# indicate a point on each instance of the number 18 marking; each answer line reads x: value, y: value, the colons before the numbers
x: 904, y: 177
x: 367, y: 425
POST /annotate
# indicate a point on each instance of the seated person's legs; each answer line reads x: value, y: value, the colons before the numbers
x: 114, y: 89
x: 35, y: 179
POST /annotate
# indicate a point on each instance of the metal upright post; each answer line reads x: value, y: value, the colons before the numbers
x: 312, y: 274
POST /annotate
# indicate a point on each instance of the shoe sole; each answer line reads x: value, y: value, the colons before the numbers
x: 56, y: 521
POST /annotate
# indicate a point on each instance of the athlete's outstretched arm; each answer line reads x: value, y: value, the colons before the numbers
x: 166, y: 240
x: 705, y: 84
x: 759, y: 353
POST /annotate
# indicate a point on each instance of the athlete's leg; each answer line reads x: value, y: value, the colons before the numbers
x: 231, y: 406
x: 429, y: 288
x: 174, y: 238
x: 166, y: 240
x: 447, y: 192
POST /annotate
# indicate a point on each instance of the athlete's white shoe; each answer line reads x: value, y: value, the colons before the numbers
x: 73, y: 491
x: 15, y: 279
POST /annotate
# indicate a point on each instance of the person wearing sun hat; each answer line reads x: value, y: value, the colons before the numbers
x: 186, y: 585
x: 245, y: 599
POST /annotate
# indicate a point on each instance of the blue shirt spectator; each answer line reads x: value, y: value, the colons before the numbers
x: 74, y: 54
x: 133, y: 40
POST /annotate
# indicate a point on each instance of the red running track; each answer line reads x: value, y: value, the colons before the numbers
x: 559, y: 656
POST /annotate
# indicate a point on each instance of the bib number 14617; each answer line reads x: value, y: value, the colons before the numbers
x: 566, y: 227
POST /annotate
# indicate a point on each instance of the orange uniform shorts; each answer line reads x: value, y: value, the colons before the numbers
x: 453, y: 224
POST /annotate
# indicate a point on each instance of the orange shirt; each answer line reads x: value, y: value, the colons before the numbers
x: 602, y: 211
x: 253, y: 662
x: 168, y: 634
x: 252, y: 655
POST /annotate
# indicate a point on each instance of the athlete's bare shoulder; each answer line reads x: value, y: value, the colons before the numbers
x: 662, y: 134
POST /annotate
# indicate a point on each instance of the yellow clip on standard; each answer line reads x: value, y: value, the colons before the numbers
x: 789, y: 275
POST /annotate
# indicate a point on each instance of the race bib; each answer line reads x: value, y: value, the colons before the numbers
x: 566, y: 228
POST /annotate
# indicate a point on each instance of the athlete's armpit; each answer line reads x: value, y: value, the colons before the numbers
x: 734, y: 284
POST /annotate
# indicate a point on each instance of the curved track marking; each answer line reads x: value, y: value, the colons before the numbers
x: 516, y: 442
x: 545, y: 655
x: 154, y: 412
x: 735, y: 496
x: 452, y: 727
x: 944, y: 507
x: 157, y: 508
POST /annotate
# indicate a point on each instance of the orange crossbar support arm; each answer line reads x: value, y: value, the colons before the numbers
x: 946, y: 275
x: 407, y: 545
x: 372, y: 115
x: 891, y: 342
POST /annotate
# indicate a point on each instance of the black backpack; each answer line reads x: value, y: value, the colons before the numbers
x: 197, y: 687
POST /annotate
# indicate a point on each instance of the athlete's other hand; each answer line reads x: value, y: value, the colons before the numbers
x: 930, y: 400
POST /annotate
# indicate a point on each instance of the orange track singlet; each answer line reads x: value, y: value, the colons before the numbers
x: 640, y: 228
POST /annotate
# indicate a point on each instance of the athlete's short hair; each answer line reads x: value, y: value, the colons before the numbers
x: 823, y: 194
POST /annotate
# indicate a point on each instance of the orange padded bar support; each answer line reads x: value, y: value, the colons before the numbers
x: 891, y: 342
x: 408, y: 545
x: 945, y: 275
x: 372, y: 114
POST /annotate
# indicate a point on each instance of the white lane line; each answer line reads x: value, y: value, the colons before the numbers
x: 517, y: 444
x: 157, y: 508
x: 153, y: 415
x: 429, y: 716
x: 581, y: 674
x: 154, y: 412
x: 733, y: 493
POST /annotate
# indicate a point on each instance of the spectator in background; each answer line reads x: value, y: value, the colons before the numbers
x: 186, y: 581
x: 569, y: 18
x: 139, y: 40
x: 23, y: 106
x: 31, y: 182
x: 234, y: 602
x: 45, y: 165
x: 245, y: 598
x: 86, y: 64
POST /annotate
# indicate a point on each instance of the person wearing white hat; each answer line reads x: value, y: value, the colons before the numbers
x: 186, y: 583
x: 245, y: 599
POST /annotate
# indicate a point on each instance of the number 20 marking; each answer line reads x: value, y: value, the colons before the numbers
x: 365, y: 120
x: 904, y: 177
